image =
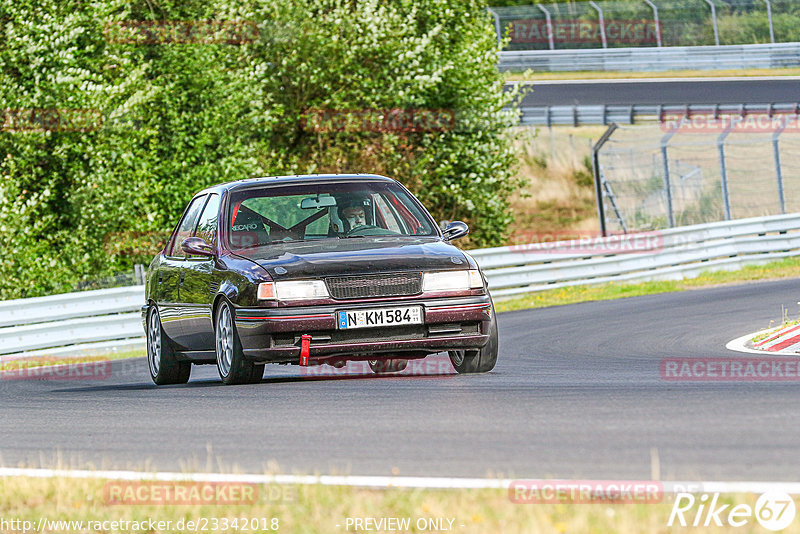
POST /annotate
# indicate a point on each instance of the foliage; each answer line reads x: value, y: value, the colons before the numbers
x: 158, y: 122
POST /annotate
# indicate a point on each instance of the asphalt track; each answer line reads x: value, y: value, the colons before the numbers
x: 654, y: 91
x: 576, y: 393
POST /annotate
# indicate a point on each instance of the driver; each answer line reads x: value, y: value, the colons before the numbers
x: 353, y: 214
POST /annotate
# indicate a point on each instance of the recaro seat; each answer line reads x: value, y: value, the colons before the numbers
x: 248, y: 229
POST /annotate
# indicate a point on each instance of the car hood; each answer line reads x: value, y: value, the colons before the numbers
x: 337, y: 257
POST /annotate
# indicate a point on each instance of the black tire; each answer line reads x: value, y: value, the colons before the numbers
x: 390, y: 365
x: 164, y: 367
x: 478, y: 361
x: 232, y: 366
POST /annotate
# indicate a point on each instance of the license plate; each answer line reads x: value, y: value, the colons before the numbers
x: 380, y: 317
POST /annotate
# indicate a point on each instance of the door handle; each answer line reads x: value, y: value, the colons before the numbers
x: 181, y: 277
x: 160, y: 277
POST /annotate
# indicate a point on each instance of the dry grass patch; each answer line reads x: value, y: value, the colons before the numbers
x: 326, y: 509
x: 559, y: 197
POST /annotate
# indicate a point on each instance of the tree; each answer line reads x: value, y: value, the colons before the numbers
x: 142, y: 122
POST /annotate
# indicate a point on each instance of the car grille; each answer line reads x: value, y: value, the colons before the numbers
x: 375, y: 285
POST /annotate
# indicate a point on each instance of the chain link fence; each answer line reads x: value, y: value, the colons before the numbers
x: 646, y: 23
x: 654, y: 177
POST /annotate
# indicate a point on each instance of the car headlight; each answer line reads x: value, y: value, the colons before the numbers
x: 452, y: 280
x: 292, y: 290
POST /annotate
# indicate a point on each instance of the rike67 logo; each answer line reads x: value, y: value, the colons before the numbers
x: 774, y: 510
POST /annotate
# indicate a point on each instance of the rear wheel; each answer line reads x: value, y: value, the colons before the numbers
x: 478, y: 361
x: 232, y: 366
x: 164, y: 367
x: 390, y: 365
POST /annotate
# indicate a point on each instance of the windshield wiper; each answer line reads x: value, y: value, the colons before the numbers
x: 279, y: 241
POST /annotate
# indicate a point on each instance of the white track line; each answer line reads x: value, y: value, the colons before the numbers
x: 653, y: 80
x: 670, y: 487
x: 739, y: 345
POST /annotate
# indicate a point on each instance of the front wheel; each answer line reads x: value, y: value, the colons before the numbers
x: 232, y: 366
x: 164, y: 367
x: 478, y: 361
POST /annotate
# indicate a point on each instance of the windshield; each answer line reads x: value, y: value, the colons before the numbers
x: 268, y: 215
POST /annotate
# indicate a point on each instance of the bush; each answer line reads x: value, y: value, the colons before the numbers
x: 165, y: 120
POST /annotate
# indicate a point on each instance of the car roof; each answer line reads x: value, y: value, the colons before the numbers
x: 293, y: 179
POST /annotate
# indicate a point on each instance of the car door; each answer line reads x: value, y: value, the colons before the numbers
x: 200, y: 284
x: 170, y: 272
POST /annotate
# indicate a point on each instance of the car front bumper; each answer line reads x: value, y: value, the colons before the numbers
x: 274, y: 334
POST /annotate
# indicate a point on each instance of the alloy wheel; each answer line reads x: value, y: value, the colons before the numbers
x: 224, y: 340
x: 154, y: 342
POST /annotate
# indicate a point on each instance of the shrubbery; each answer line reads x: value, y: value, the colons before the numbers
x: 179, y: 117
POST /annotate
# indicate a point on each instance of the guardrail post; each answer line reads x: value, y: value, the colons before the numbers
x: 139, y: 274
x: 496, y: 26
x: 550, y: 38
x: 602, y: 23
x: 776, y: 152
x: 769, y: 19
x: 714, y: 20
x: 667, y: 185
x: 598, y: 186
x: 655, y: 20
x: 724, y: 172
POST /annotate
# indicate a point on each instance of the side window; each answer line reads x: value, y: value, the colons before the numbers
x: 207, y: 225
x: 186, y: 227
x: 390, y: 219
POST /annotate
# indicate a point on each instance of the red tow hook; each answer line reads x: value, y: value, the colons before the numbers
x: 305, y: 348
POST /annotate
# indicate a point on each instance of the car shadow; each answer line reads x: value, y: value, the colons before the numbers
x: 216, y: 382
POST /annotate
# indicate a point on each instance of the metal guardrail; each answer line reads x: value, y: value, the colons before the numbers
x: 666, y: 255
x: 71, y: 331
x: 70, y: 306
x: 652, y: 59
x: 103, y: 318
x: 606, y: 114
x: 72, y: 318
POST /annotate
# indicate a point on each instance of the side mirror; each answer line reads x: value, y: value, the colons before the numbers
x: 455, y: 229
x: 196, y: 246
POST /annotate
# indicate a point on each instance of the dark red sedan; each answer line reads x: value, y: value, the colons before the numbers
x: 311, y: 270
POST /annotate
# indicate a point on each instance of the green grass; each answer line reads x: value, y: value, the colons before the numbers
x: 530, y: 76
x: 786, y: 268
x: 771, y: 330
x: 325, y: 509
